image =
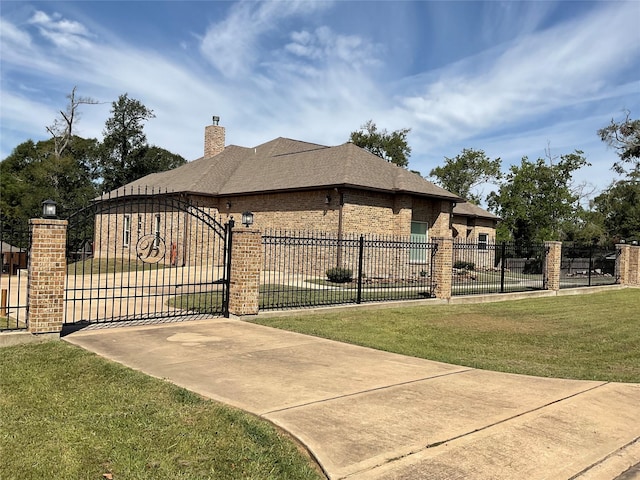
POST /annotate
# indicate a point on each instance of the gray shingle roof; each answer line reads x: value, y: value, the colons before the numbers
x: 285, y: 165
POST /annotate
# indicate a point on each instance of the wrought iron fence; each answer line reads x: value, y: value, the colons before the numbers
x: 480, y: 268
x: 14, y: 251
x: 314, y: 269
x: 585, y: 265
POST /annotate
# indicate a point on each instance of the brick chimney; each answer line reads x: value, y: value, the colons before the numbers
x: 213, y: 138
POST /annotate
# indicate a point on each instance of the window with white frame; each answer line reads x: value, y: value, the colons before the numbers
x: 126, y: 235
x: 483, y: 240
x: 156, y: 231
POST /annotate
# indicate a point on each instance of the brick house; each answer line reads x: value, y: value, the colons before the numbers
x: 474, y: 232
x: 13, y: 258
x: 299, y: 186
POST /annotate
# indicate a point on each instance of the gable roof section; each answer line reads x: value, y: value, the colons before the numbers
x: 468, y: 209
x: 287, y: 165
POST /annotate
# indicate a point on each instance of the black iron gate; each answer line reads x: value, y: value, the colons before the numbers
x: 15, y: 242
x: 146, y: 256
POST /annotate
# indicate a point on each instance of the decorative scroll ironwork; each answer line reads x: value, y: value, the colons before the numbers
x: 145, y: 255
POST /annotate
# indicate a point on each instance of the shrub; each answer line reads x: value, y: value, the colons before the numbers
x: 339, y: 275
x: 533, y: 265
x: 462, y: 265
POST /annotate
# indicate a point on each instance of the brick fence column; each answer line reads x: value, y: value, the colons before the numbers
x: 628, y: 264
x: 634, y: 266
x: 246, y: 265
x: 553, y: 261
x: 443, y: 267
x: 46, y: 275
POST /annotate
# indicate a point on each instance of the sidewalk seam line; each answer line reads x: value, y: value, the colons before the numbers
x: 604, y: 459
x: 457, y: 437
x: 361, y: 392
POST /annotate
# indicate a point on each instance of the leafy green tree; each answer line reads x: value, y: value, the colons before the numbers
x: 619, y: 206
x: 123, y: 137
x: 151, y: 159
x: 624, y: 137
x: 464, y: 172
x: 393, y: 147
x: 535, y: 200
x: 34, y: 172
x: 587, y: 227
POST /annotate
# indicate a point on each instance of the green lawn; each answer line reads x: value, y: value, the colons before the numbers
x: 10, y: 323
x: 94, y: 266
x: 593, y: 336
x: 68, y: 414
x: 281, y: 296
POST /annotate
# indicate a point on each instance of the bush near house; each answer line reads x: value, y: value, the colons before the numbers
x: 462, y: 265
x: 340, y: 275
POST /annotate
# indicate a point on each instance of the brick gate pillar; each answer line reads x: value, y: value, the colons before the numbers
x: 552, y: 263
x: 634, y: 266
x: 628, y: 264
x: 46, y: 275
x: 246, y: 265
x: 443, y: 267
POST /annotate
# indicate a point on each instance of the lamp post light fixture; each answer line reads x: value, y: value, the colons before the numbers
x: 247, y: 219
x: 49, y: 209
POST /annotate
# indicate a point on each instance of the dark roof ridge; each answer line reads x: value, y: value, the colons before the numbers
x: 293, y: 140
x: 218, y: 161
x: 284, y: 146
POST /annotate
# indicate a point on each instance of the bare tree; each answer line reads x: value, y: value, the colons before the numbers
x: 62, y: 128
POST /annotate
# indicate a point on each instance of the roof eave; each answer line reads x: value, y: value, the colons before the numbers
x: 340, y: 185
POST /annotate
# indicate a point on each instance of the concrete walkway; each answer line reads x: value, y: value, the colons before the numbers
x: 367, y: 414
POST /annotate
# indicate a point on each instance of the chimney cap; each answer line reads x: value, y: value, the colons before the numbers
x: 216, y: 119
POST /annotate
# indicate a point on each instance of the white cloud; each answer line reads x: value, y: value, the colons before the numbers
x: 11, y: 35
x: 19, y: 115
x: 532, y: 75
x: 324, y: 45
x: 234, y: 44
x: 61, y: 32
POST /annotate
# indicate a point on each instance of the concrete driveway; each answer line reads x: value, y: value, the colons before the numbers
x: 367, y: 414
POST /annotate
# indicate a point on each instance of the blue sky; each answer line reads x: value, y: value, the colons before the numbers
x: 511, y: 78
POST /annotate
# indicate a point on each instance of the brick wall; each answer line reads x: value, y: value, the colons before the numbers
x: 185, y: 237
x: 467, y: 229
x: 319, y: 211
x: 384, y: 257
x: 46, y: 275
